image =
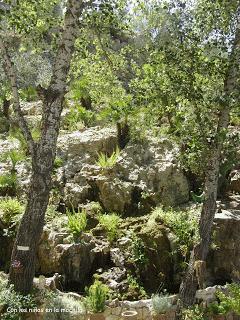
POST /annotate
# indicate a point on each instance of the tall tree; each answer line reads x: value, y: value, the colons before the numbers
x: 42, y: 152
x: 199, y: 254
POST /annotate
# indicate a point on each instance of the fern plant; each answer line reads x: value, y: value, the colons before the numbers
x: 77, y: 222
x: 14, y: 156
x: 110, y: 222
x: 8, y: 184
x: 105, y: 161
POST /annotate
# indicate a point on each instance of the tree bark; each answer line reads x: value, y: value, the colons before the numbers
x: 190, y: 282
x: 22, y: 268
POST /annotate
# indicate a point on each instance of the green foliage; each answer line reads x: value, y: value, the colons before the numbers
x: 10, y: 208
x: 138, y: 251
x: 230, y: 301
x: 160, y: 303
x: 184, y: 225
x: 77, y: 222
x: 58, y: 163
x: 97, y: 295
x: 110, y: 222
x: 14, y: 302
x: 104, y: 161
x: 28, y: 94
x: 8, y: 184
x: 78, y: 118
x: 218, y: 308
x: 194, y: 313
x: 135, y: 290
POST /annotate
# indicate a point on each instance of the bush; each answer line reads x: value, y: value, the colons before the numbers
x: 231, y: 300
x: 78, y: 117
x: 10, y: 207
x: 105, y: 161
x: 77, y: 222
x: 160, y: 303
x: 110, y: 223
x: 12, y: 300
x: 184, y: 225
x: 8, y: 184
x: 96, y: 297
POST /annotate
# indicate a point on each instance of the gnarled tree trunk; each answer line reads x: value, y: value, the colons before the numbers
x: 22, y: 268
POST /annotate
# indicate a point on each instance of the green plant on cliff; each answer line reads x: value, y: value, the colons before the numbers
x: 97, y: 295
x: 104, y: 161
x: 231, y: 299
x: 110, y: 222
x: 184, y: 226
x: 10, y: 208
x: 77, y: 222
x: 8, y: 184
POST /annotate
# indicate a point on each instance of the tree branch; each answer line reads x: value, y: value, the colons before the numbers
x: 11, y: 74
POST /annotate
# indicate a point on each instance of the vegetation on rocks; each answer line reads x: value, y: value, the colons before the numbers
x: 119, y: 153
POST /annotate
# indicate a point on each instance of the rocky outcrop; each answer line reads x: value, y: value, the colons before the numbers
x: 223, y: 260
x: 144, y: 174
x: 75, y: 261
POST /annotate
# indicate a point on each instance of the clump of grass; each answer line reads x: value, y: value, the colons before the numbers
x: 77, y: 222
x: 10, y: 208
x: 110, y: 223
x: 105, y: 161
x: 8, y: 184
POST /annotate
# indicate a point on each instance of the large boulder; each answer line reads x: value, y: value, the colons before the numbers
x: 224, y: 258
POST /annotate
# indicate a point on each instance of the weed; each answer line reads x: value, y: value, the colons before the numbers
x: 110, y: 222
x: 77, y: 222
x: 8, y: 184
x: 10, y: 208
x: 105, y: 161
x: 78, y: 117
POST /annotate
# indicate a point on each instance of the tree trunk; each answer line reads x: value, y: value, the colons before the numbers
x: 190, y: 282
x: 22, y: 268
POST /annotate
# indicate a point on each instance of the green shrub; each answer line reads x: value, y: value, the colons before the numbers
x: 135, y: 290
x: 78, y: 117
x: 13, y: 301
x: 8, y: 184
x: 96, y: 297
x: 105, y: 161
x: 10, y: 208
x: 231, y: 300
x: 138, y: 251
x: 110, y: 223
x: 77, y: 222
x: 160, y: 303
x: 184, y: 225
x: 218, y: 308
